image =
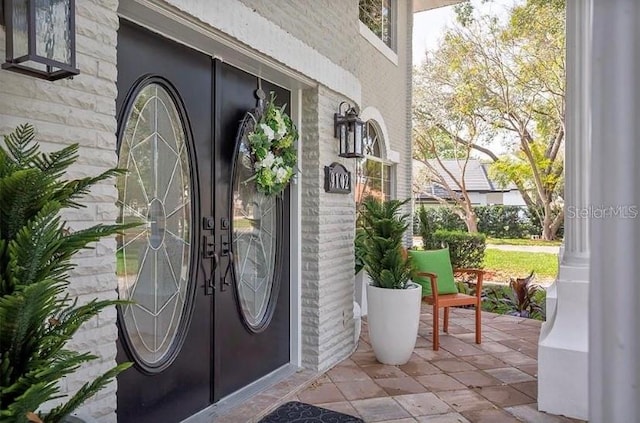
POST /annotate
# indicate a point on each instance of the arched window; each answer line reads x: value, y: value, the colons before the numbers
x: 374, y: 173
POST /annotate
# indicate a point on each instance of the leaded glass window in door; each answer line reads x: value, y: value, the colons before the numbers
x: 153, y: 259
x: 256, y: 220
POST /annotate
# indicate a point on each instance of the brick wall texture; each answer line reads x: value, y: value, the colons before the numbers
x: 328, y: 220
x: 387, y: 87
x: 328, y: 26
x: 82, y: 110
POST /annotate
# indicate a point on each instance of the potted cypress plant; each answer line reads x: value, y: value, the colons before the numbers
x: 37, y: 315
x: 393, y: 299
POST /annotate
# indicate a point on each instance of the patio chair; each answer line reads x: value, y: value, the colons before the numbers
x: 432, y: 270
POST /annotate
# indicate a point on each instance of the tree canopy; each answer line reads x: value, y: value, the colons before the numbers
x: 497, y: 87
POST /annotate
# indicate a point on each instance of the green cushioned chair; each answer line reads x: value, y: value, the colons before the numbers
x: 432, y: 269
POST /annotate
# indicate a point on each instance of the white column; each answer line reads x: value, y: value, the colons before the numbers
x: 614, y: 361
x: 563, y: 345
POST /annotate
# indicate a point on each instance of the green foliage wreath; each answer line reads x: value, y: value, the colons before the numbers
x: 272, y: 149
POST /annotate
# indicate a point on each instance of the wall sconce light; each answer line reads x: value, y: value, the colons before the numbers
x: 349, y: 129
x: 41, y: 37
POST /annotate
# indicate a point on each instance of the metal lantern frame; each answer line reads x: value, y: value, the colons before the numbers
x: 53, y: 69
x: 350, y: 130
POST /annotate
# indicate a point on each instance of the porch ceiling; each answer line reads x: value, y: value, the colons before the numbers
x: 422, y: 5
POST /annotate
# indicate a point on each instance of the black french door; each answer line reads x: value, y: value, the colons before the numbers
x: 207, y: 270
x: 252, y: 313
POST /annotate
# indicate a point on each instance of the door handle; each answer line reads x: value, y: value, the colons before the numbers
x: 209, y: 286
x: 209, y: 252
x: 225, y: 281
x: 225, y: 251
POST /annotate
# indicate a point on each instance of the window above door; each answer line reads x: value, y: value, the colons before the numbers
x: 379, y: 17
x: 378, y: 25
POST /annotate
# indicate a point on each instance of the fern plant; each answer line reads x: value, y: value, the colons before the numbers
x: 385, y: 259
x: 37, y: 315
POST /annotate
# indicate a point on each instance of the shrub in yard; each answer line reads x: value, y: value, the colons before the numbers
x: 496, y: 221
x: 493, y: 297
x: 440, y: 217
x: 521, y: 298
x: 500, y: 221
x: 466, y: 250
x: 533, y: 214
x: 425, y: 230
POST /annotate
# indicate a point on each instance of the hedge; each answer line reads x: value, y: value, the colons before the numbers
x: 466, y: 250
x: 496, y: 221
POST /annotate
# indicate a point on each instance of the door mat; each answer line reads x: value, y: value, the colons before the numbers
x: 299, y: 412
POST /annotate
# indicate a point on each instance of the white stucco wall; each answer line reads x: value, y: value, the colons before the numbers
x: 513, y: 198
x: 478, y: 198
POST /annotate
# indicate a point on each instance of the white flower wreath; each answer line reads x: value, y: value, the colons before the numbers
x: 272, y: 149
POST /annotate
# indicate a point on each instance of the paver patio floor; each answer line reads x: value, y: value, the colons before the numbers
x: 494, y: 382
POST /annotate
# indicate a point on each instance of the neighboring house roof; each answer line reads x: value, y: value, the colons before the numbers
x: 435, y: 190
x: 476, y: 177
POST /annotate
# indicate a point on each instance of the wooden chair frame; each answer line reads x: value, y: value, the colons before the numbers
x: 449, y: 300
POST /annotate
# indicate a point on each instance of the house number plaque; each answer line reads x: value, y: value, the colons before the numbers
x: 337, y: 179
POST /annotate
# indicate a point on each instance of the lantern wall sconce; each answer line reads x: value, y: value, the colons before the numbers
x: 349, y: 129
x: 40, y: 37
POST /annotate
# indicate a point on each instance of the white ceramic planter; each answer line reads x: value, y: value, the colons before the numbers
x: 357, y: 322
x: 361, y: 281
x: 393, y: 319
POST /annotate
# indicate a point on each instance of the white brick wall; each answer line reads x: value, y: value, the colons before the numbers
x: 328, y: 26
x: 328, y: 222
x: 81, y: 111
x: 387, y: 87
x: 273, y: 34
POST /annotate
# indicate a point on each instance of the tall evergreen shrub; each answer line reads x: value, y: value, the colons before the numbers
x: 385, y: 259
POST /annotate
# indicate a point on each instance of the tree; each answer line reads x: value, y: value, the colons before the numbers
x: 509, y: 77
x: 453, y: 184
x: 444, y: 129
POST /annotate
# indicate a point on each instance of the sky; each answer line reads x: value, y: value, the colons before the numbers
x: 429, y: 26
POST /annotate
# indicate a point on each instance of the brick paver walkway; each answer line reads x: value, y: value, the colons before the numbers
x: 495, y: 381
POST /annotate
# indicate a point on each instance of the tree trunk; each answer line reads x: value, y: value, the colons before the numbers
x: 471, y: 220
x: 548, y: 230
x: 547, y: 234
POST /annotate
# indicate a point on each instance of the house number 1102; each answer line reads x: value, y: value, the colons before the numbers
x: 337, y: 179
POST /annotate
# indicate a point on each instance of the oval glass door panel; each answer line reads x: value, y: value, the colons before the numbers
x: 255, y: 229
x: 153, y: 259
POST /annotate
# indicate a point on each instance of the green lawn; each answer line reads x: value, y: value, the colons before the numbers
x: 521, y: 241
x: 502, y: 265
x: 132, y: 264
